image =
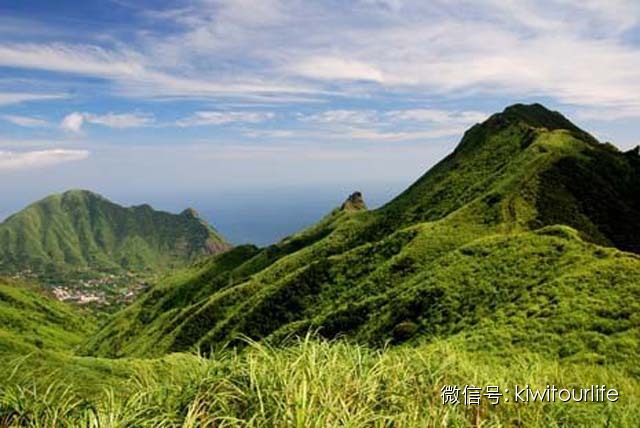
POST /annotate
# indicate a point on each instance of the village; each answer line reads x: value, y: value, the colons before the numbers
x: 105, y: 291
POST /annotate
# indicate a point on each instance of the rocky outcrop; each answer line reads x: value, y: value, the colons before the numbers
x: 355, y: 202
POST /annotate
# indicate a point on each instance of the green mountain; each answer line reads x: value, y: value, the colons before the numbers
x: 80, y: 230
x: 511, y: 262
x: 524, y: 237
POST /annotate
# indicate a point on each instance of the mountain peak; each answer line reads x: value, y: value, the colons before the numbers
x: 527, y: 108
x: 538, y: 116
x: 528, y: 118
x: 355, y: 202
x: 190, y: 212
x: 81, y: 193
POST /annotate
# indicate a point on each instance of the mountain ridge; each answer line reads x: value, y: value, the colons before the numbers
x: 80, y: 229
x: 488, y: 241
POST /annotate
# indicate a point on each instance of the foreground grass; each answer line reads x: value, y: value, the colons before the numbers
x: 314, y: 384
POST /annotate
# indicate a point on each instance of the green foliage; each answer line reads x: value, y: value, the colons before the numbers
x: 598, y: 194
x: 463, y: 249
x: 78, y: 231
x: 319, y: 384
x: 31, y: 321
x: 512, y: 261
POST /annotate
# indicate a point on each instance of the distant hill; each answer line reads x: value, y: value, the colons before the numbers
x: 80, y: 230
x: 525, y: 236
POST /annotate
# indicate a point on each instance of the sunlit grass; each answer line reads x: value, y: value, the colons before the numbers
x: 314, y: 383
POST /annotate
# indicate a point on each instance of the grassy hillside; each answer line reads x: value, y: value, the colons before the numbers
x: 495, y: 241
x: 303, y: 383
x: 79, y: 230
x: 313, y: 384
x: 512, y: 261
x: 32, y: 322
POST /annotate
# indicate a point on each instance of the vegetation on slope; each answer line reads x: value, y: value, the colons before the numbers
x: 31, y: 321
x: 463, y: 249
x: 80, y: 230
x: 320, y: 384
x: 510, y: 262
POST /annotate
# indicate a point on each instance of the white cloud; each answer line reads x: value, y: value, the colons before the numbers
x: 20, y: 97
x: 271, y: 133
x: 25, y: 121
x: 377, y: 135
x: 606, y: 113
x: 359, y: 117
x: 375, y: 126
x: 73, y: 122
x: 134, y: 72
x: 12, y: 160
x: 435, y: 116
x: 79, y: 59
x: 348, y: 134
x: 394, y: 5
x: 125, y: 120
x: 394, y: 117
x: 328, y: 68
x: 505, y: 47
x: 574, y: 52
x: 201, y: 118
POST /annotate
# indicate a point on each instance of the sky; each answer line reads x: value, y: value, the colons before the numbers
x: 264, y: 114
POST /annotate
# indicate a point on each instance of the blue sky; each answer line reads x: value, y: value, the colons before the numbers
x: 196, y: 101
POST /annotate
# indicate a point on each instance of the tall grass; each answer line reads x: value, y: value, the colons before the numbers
x: 316, y: 383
